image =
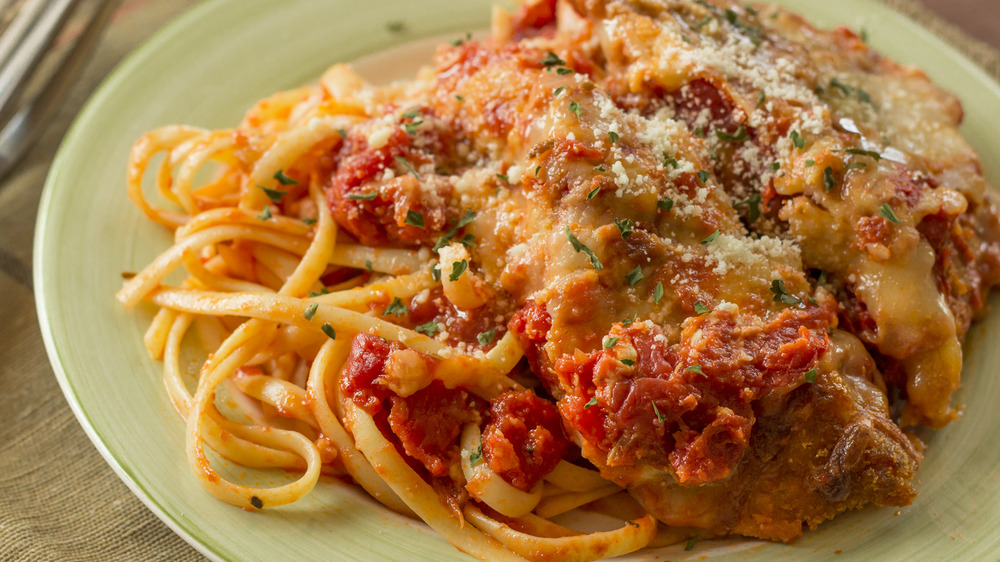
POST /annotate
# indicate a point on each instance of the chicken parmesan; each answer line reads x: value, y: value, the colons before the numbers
x: 694, y: 264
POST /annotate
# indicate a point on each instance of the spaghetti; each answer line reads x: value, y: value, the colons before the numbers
x: 617, y: 246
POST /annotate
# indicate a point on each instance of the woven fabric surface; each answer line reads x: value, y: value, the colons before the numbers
x: 59, y: 500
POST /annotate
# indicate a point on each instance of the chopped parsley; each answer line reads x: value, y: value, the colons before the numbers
x: 429, y: 328
x: 613, y: 137
x: 551, y: 59
x: 752, y: 204
x: 739, y: 136
x: 761, y: 98
x: 811, y: 376
x: 594, y: 193
x: 575, y: 108
x: 413, y: 218
x: 659, y: 416
x: 342, y: 133
x: 703, y: 176
x: 635, y: 276
x: 476, y: 456
x: 775, y: 166
x: 861, y: 152
x: 599, y: 168
x: 658, y: 293
x: 323, y: 291
x: 396, y: 308
x: 329, y: 331
x: 797, y: 140
x: 711, y: 237
x: 562, y: 71
x: 311, y: 311
x: 755, y: 34
x: 486, y: 338
x: 504, y: 177
x: 309, y: 222
x: 366, y: 196
x: 265, y: 214
x: 283, y: 179
x: 273, y: 194
x: 700, y: 308
x: 411, y: 128
x: 707, y: 20
x: 690, y: 543
x: 610, y: 342
x: 696, y: 368
x: 409, y: 167
x: 781, y: 294
x: 625, y: 227
x: 670, y: 161
x: 665, y: 203
x: 828, y: 180
x: 443, y: 241
x: 810, y: 163
x: 558, y: 90
x: 700, y: 132
x: 458, y: 42
x: 887, y: 212
x: 368, y: 266
x: 436, y: 272
x: 457, y: 269
x: 848, y: 90
x: 627, y: 362
x: 591, y: 402
x: 580, y: 247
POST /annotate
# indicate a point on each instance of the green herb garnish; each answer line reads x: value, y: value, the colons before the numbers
x: 580, y: 247
x: 625, y: 227
x: 781, y: 294
x: 273, y: 194
x: 486, y: 338
x: 409, y: 167
x: 311, y: 311
x: 283, y: 179
x: 329, y: 331
x: 396, y: 308
x: 887, y: 212
x: 428, y: 329
x: 413, y: 218
x: 634, y: 276
x: 457, y: 269
x: 366, y: 196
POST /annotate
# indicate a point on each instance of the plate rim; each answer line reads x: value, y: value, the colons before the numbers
x: 204, y: 543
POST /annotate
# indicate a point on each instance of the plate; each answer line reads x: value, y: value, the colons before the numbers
x: 205, y: 69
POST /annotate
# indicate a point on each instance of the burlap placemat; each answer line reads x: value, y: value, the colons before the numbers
x: 59, y: 500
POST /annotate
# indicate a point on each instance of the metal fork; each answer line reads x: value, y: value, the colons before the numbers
x: 27, y: 99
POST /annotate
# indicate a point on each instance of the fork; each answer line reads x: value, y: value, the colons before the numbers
x: 29, y: 98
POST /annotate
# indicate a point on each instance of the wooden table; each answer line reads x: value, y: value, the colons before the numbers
x: 978, y: 18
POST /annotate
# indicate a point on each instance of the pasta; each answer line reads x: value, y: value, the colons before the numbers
x: 692, y: 265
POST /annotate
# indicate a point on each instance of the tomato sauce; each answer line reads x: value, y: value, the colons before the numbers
x: 689, y: 406
x: 524, y: 439
x: 427, y: 423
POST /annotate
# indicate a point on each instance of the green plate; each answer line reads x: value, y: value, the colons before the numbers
x: 205, y: 69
